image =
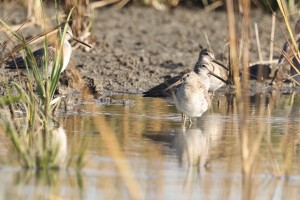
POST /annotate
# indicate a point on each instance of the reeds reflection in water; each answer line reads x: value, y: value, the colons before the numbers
x: 168, y: 161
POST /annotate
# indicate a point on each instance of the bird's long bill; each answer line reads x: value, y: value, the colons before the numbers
x: 217, y: 62
x: 218, y: 77
x: 173, y: 85
x: 81, y: 42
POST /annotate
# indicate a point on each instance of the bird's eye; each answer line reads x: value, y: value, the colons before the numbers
x: 185, y: 77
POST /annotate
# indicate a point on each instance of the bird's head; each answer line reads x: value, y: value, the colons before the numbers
x: 69, y: 36
x: 206, y: 54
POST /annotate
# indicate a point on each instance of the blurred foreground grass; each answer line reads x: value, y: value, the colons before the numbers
x: 36, y: 138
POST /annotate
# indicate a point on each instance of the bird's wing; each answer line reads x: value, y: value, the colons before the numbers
x: 39, y: 57
x: 161, y: 89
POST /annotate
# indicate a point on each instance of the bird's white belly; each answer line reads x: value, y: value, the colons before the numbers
x: 195, y: 106
x: 215, y: 84
x: 67, y: 51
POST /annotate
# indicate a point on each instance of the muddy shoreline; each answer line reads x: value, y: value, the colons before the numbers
x: 138, y: 47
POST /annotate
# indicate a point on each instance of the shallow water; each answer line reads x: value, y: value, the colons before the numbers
x: 166, y: 160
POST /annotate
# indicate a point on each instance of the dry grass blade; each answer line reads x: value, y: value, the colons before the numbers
x: 244, y: 108
x: 260, y: 69
x: 100, y: 4
x: 287, y: 23
x: 11, y: 11
x: 257, y: 42
x: 264, y: 62
x: 288, y: 59
x: 213, y: 6
x: 272, y: 37
x: 233, y: 48
x: 206, y: 39
x: 121, y: 4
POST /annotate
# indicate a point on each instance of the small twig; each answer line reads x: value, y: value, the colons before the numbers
x: 213, y: 6
x: 264, y: 62
x: 287, y: 58
x: 206, y: 39
x: 283, y: 53
x: 241, y: 44
x: 121, y: 4
x: 284, y: 11
x: 292, y: 79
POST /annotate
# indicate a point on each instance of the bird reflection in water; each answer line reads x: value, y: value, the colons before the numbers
x: 59, y: 144
x: 192, y: 145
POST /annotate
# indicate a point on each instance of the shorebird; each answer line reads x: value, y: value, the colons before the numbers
x: 207, y: 58
x: 191, y: 95
x: 288, y: 46
x: 40, y: 55
x: 288, y: 58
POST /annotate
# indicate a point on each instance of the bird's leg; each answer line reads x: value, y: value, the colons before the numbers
x: 190, y: 124
x: 275, y: 74
x: 213, y: 94
x: 183, y: 117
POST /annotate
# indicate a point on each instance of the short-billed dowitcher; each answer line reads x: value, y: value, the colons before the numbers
x: 191, y: 95
x: 288, y: 58
x: 288, y: 46
x: 40, y: 55
x: 207, y: 58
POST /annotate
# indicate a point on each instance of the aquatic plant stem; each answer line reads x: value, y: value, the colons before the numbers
x: 233, y: 48
x: 244, y: 109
